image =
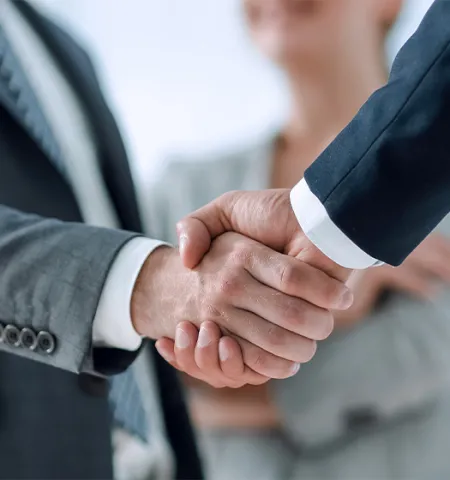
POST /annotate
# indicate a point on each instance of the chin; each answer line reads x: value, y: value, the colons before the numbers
x: 280, y: 49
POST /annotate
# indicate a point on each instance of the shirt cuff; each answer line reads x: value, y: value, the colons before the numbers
x: 323, y: 233
x: 112, y: 323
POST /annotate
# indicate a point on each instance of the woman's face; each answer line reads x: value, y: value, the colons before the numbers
x: 293, y: 30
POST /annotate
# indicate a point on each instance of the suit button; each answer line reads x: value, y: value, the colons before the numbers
x: 11, y: 335
x: 46, y: 342
x: 28, y: 339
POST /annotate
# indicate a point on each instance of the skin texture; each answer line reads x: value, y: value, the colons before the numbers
x: 330, y: 76
x: 273, y: 306
x: 265, y: 216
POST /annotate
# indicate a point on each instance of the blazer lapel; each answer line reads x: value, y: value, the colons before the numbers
x: 80, y: 73
x: 8, y: 95
x: 16, y: 97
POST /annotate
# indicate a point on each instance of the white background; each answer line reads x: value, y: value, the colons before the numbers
x: 181, y: 74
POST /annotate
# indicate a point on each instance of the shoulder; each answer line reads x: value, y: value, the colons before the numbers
x: 212, y: 164
x: 184, y: 183
x: 209, y: 174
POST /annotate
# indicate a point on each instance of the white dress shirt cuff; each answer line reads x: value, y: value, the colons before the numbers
x: 323, y: 233
x: 112, y: 323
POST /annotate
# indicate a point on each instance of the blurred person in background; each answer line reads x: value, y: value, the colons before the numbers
x: 374, y: 402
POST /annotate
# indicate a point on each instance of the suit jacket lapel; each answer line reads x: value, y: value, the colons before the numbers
x: 8, y: 96
x: 16, y: 97
x: 80, y: 73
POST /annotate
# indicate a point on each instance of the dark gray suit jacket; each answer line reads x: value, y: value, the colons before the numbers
x: 55, y: 424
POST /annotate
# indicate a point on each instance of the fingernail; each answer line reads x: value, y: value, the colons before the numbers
x: 346, y: 300
x: 203, y: 338
x: 182, y: 241
x: 181, y: 339
x: 164, y: 354
x: 223, y: 352
x: 295, y: 368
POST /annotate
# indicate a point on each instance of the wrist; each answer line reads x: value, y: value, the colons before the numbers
x: 147, y: 291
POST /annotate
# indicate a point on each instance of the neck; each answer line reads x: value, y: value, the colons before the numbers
x: 326, y: 97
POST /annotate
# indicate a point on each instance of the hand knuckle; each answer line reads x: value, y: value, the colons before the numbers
x: 230, y: 284
x: 276, y: 336
x: 290, y: 275
x: 308, y: 320
x: 227, y: 196
x: 259, y: 361
x: 287, y: 275
x: 241, y: 255
x: 293, y: 311
x: 211, y: 312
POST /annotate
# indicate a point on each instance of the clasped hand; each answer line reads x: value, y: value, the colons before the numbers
x: 260, y: 297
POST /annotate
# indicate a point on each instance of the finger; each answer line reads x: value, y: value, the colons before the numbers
x: 242, y: 212
x: 197, y: 230
x: 232, y: 363
x: 294, y: 277
x: 207, y: 356
x: 194, y: 241
x: 230, y: 358
x: 186, y: 336
x: 220, y: 359
x: 310, y: 254
x: 263, y: 362
x: 270, y: 337
x: 290, y: 313
x: 165, y: 347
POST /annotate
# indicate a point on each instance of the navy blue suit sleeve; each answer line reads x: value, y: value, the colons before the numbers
x: 385, y: 180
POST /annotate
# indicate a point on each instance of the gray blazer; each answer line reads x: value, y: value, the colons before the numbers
x: 391, y: 367
x: 55, y: 424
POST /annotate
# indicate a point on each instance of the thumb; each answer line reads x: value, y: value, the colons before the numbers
x: 194, y: 241
x: 197, y: 230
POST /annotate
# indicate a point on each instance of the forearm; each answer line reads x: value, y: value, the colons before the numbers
x: 384, y: 181
x: 52, y: 278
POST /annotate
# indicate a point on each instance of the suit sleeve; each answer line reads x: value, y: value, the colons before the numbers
x: 51, y: 280
x: 385, y: 181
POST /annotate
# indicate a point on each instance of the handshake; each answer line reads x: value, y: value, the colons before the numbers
x: 247, y: 296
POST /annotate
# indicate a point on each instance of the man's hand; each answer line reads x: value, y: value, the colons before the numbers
x: 273, y: 305
x: 207, y: 356
x: 266, y: 216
